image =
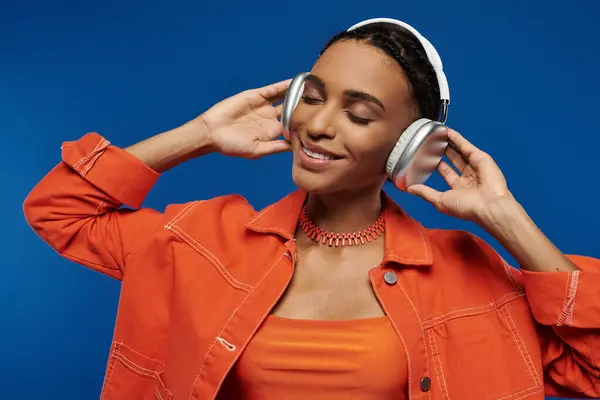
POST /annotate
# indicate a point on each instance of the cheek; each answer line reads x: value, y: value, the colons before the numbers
x: 301, y: 114
x: 372, y: 148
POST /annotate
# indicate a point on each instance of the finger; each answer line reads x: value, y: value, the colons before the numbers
x: 448, y: 173
x: 277, y: 99
x: 274, y: 92
x: 272, y: 147
x: 279, y: 110
x: 462, y: 145
x: 456, y: 159
x: 426, y: 193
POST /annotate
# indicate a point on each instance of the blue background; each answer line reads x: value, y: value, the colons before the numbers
x: 524, y: 86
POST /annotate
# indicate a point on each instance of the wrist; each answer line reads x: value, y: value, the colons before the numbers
x: 200, y: 135
x: 502, y: 215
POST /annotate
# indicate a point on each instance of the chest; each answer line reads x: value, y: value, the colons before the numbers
x: 329, y: 284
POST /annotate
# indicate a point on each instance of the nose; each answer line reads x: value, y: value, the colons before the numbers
x: 320, y: 123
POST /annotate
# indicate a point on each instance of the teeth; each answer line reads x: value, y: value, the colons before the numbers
x: 316, y: 155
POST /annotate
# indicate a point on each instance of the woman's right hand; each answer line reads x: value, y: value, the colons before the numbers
x: 246, y: 124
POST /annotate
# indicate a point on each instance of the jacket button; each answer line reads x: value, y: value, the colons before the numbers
x: 390, y: 278
x: 425, y: 384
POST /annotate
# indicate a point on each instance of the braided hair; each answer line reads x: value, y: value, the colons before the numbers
x: 409, y: 54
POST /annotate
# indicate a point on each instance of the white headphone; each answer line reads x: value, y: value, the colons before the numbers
x: 421, y: 146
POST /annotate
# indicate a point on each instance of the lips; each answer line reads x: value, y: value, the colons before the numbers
x: 314, y: 158
x: 318, y: 152
x: 318, y: 156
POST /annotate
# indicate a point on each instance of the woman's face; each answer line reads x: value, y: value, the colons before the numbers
x: 355, y: 105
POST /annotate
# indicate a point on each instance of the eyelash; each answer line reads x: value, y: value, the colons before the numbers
x: 352, y: 117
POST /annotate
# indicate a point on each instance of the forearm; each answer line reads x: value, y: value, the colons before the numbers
x: 509, y: 223
x: 169, y: 149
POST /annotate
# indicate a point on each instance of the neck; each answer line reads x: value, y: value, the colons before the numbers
x: 345, y: 211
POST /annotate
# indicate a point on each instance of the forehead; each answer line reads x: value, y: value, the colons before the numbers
x: 351, y: 65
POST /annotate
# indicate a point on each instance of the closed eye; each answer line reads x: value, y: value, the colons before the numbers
x: 357, y: 120
x: 311, y: 100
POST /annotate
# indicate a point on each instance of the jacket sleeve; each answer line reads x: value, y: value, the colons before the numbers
x: 567, y: 307
x: 77, y: 207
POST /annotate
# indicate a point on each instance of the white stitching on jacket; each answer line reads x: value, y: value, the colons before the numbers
x: 226, y: 344
x: 566, y: 316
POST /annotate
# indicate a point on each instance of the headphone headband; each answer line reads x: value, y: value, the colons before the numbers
x: 430, y: 51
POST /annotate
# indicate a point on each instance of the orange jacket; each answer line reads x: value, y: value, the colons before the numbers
x: 198, y: 279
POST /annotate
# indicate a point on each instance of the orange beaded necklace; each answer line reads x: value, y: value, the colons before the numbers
x: 341, y: 239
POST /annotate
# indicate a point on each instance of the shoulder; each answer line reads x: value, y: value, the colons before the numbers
x: 226, y: 208
x: 234, y: 211
x: 465, y: 253
x: 460, y: 244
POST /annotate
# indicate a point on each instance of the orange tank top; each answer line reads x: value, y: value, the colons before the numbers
x: 314, y: 359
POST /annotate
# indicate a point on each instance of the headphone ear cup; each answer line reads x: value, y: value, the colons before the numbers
x: 292, y: 97
x: 417, y: 153
x: 401, y: 145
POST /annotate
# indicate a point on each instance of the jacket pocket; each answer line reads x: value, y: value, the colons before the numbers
x: 484, y: 357
x: 131, y: 375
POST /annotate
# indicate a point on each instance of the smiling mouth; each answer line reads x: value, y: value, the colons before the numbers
x: 317, y: 156
x: 313, y: 160
x: 314, y: 153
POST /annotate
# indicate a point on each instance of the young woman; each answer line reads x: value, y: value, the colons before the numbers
x: 221, y: 301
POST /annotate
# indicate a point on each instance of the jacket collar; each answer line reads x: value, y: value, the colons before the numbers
x: 406, y: 241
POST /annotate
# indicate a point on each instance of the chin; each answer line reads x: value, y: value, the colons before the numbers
x: 307, y: 181
x: 322, y: 183
x: 313, y: 182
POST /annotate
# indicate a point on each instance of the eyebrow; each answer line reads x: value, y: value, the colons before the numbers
x: 352, y: 94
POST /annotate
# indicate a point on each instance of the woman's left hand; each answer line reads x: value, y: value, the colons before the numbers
x: 476, y: 186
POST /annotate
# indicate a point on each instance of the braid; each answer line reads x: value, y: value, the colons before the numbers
x: 409, y: 54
